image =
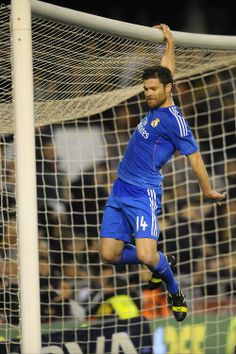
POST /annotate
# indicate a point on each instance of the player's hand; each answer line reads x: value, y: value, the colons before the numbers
x: 166, y: 32
x: 215, y: 197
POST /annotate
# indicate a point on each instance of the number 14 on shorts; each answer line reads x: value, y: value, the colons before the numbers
x: 140, y: 222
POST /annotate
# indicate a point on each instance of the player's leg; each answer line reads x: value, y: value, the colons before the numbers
x: 115, y: 246
x: 110, y: 249
x: 146, y: 237
x: 116, y: 251
x: 159, y: 265
x: 175, y: 295
x: 157, y: 262
x: 155, y: 281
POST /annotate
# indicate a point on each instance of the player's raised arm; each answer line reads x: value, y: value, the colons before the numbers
x: 200, y: 172
x: 168, y: 58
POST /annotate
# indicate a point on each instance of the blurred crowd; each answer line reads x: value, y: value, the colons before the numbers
x: 73, y: 282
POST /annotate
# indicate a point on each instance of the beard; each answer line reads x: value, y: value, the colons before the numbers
x: 156, y: 102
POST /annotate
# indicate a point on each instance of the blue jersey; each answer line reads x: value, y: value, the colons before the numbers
x: 154, y: 141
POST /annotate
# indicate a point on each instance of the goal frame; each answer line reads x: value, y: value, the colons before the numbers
x: 24, y: 124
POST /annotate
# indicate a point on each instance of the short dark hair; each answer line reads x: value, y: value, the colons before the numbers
x: 158, y: 72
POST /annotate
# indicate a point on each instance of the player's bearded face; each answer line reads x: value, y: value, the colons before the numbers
x: 155, y: 93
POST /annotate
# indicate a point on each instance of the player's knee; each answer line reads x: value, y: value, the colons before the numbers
x: 146, y: 257
x: 108, y: 257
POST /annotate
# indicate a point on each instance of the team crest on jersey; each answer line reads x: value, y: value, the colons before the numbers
x: 155, y: 122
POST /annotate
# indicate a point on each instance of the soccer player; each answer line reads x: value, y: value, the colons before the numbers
x: 135, y: 199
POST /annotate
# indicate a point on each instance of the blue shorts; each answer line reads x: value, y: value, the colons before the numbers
x: 131, y: 211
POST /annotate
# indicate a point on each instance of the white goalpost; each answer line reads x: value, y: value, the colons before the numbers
x: 70, y: 98
x: 23, y: 108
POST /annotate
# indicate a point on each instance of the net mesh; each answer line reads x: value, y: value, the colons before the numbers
x: 78, y: 72
x: 88, y: 100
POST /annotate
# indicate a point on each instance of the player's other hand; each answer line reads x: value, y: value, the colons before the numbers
x: 215, y: 197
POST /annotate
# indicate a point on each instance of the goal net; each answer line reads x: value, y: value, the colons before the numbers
x: 87, y: 101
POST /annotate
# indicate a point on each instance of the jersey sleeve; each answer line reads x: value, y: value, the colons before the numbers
x: 179, y: 132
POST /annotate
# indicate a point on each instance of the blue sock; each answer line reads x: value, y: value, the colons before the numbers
x: 129, y: 255
x: 166, y: 274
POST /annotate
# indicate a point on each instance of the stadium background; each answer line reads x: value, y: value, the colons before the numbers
x: 198, y: 16
x: 185, y: 16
